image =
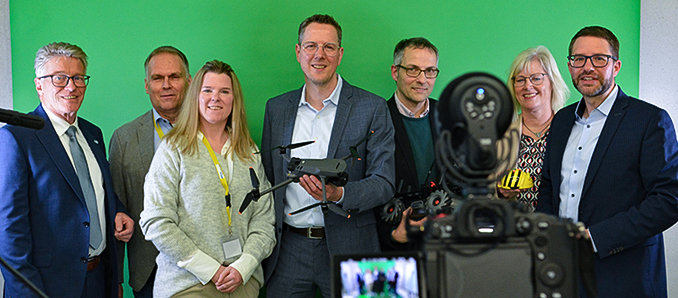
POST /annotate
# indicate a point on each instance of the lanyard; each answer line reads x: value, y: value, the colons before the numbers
x: 157, y: 128
x: 222, y: 177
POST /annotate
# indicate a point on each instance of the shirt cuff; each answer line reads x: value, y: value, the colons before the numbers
x: 246, y: 265
x: 343, y: 193
x: 201, y: 265
x: 593, y: 243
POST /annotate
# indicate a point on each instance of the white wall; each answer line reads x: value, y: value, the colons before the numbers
x: 659, y: 85
x: 5, y: 70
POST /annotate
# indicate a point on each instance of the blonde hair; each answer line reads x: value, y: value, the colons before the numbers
x: 560, y: 92
x: 184, y: 134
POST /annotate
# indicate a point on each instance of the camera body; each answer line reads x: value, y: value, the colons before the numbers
x: 492, y: 248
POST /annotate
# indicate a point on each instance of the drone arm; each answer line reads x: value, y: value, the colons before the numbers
x: 373, y: 179
x: 273, y: 188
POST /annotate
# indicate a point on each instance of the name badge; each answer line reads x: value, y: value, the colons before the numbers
x: 232, y: 248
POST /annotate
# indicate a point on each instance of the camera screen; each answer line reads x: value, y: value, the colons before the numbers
x: 390, y: 275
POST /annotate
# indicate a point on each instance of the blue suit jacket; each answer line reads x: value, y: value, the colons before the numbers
x: 43, y: 232
x: 629, y: 194
x: 371, y: 180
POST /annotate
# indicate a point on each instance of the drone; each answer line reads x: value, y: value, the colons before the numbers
x: 329, y: 170
x: 430, y: 200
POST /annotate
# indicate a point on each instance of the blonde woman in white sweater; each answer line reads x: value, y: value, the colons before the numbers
x: 196, y: 184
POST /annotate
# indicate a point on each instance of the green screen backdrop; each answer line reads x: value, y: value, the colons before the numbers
x: 257, y: 38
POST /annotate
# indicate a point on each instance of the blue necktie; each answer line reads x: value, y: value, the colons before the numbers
x: 87, y: 189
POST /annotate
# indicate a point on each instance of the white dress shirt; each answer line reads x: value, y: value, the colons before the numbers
x: 60, y: 126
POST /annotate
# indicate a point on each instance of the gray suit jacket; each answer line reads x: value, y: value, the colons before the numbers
x: 371, y: 180
x: 130, y: 156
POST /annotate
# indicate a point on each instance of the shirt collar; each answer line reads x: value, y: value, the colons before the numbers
x: 334, y: 97
x: 157, y: 117
x: 60, y: 125
x: 406, y: 111
x: 603, y: 108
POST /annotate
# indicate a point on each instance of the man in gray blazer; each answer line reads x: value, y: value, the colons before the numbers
x: 131, y: 151
x: 336, y: 115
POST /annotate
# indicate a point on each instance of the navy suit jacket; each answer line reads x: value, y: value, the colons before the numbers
x: 371, y: 180
x: 629, y: 194
x: 44, y: 231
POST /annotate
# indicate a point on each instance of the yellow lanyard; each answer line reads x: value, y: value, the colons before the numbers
x: 222, y: 177
x: 157, y: 129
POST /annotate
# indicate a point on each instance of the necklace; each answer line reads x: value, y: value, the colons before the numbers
x: 539, y: 134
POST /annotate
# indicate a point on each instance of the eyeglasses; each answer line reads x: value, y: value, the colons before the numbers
x: 599, y: 60
x: 62, y: 80
x: 330, y: 49
x: 413, y: 72
x: 536, y: 79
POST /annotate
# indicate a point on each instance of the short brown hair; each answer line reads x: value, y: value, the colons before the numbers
x: 320, y: 19
x: 598, y: 31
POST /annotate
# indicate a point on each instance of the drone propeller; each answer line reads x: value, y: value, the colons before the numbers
x: 252, y: 195
x: 254, y: 178
x: 283, y: 149
x: 392, y: 211
x: 324, y: 204
x: 354, y: 149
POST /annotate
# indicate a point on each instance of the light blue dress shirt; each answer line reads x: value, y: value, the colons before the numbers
x: 577, y: 156
x: 164, y: 125
x: 310, y: 125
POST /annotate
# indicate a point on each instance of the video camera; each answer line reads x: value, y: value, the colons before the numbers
x: 484, y: 247
x: 492, y: 248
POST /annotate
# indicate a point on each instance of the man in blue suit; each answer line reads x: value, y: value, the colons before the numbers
x: 612, y: 163
x: 49, y: 179
x: 336, y: 115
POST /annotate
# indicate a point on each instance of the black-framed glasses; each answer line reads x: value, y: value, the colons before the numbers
x: 598, y: 60
x: 535, y: 78
x: 413, y: 72
x: 330, y: 49
x: 62, y: 80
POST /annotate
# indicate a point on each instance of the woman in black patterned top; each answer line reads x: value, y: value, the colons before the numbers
x: 538, y: 92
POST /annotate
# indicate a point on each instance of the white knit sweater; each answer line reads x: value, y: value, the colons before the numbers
x: 185, y: 217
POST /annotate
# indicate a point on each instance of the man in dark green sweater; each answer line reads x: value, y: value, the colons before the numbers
x: 415, y: 68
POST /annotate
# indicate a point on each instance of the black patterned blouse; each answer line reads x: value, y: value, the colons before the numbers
x: 530, y: 161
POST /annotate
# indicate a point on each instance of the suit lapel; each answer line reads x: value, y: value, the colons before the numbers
x: 340, y: 119
x: 145, y: 139
x: 289, y: 115
x: 606, y: 135
x: 53, y: 146
x: 556, y: 143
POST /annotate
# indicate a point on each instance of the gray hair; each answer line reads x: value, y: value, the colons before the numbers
x: 169, y: 50
x: 57, y: 49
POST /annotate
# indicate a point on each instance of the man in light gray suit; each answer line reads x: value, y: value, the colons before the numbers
x: 131, y: 151
x: 336, y: 115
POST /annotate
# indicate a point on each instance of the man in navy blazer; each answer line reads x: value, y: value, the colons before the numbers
x: 336, y: 115
x: 45, y: 226
x: 612, y: 163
